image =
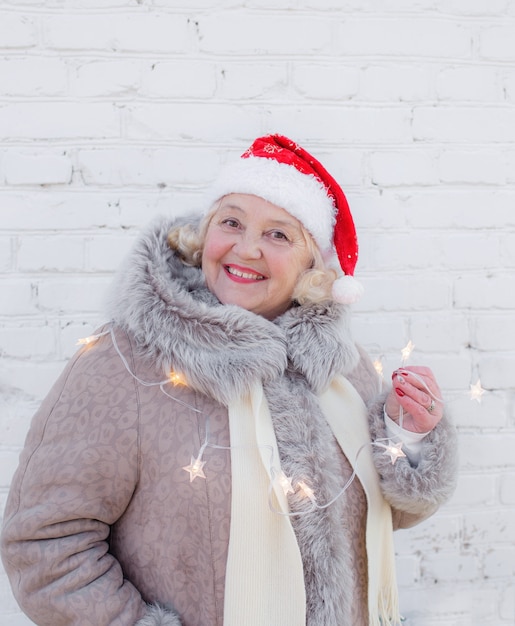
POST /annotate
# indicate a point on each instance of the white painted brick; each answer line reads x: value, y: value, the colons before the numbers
x: 507, y: 488
x: 472, y: 7
x: 6, y: 255
x: 469, y: 413
x: 464, y: 166
x: 346, y: 125
x: 17, y: 30
x: 448, y: 568
x: 455, y: 209
x: 468, y: 125
x: 485, y: 291
x: 52, y: 253
x: 70, y: 333
x: 254, y: 79
x: 509, y: 156
x: 32, y: 378
x: 482, y: 451
x: 396, y: 83
x: 403, y: 36
x: 66, y: 210
x: 494, y: 332
x: 9, y: 465
x: 441, y: 332
x: 16, y: 411
x: 21, y: 297
x: 186, y: 79
x: 474, y: 491
x: 500, y: 563
x: 490, y: 526
x: 469, y: 83
x: 136, y: 211
x: 509, y: 85
x: 200, y: 122
x: 45, y: 120
x: 136, y: 32
x: 402, y: 251
x: 403, y: 168
x: 472, y: 250
x: 107, y: 78
x: 73, y: 294
x: 258, y: 34
x: 393, y: 293
x: 32, y: 76
x: 467, y: 605
x: 27, y: 342
x: 321, y: 81
x: 37, y: 168
x: 439, y: 530
x: 379, y: 334
x: 139, y: 166
x: 408, y: 570
x: 507, y: 603
x: 497, y: 371
x: 105, y: 253
x: 497, y: 42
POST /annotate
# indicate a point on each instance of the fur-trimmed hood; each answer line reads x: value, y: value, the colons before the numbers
x: 221, y: 349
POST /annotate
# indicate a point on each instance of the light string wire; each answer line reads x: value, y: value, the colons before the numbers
x: 391, y: 448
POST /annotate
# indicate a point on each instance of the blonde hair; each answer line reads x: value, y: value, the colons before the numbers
x: 313, y: 286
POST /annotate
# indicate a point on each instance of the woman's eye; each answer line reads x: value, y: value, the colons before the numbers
x: 230, y: 222
x: 279, y: 235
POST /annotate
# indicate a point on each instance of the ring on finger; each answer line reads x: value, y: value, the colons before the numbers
x: 431, y: 407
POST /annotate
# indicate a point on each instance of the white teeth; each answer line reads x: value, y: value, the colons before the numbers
x: 234, y: 272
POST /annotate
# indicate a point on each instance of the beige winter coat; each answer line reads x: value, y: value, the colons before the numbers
x: 102, y: 518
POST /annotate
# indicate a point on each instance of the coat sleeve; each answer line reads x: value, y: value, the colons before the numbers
x: 413, y: 492
x: 76, y: 476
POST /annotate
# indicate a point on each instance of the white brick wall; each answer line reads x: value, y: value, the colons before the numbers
x: 112, y: 111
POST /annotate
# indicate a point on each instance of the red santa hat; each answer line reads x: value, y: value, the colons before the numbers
x: 279, y: 170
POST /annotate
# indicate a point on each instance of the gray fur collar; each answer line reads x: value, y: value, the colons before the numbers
x: 221, y: 349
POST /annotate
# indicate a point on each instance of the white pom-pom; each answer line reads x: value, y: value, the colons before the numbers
x: 347, y: 290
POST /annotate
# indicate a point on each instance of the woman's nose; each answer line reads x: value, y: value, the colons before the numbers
x: 248, y: 246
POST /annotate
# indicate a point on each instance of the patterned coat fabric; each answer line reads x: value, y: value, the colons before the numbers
x: 103, y: 524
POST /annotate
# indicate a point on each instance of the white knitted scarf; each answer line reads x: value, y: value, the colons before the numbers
x: 264, y: 576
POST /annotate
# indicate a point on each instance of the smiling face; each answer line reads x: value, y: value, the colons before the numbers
x: 254, y: 253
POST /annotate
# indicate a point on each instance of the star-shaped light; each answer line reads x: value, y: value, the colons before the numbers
x: 394, y: 450
x: 407, y: 350
x: 306, y: 489
x: 85, y: 341
x: 285, y: 483
x: 378, y: 366
x: 476, y: 391
x: 195, y: 468
x: 176, y: 378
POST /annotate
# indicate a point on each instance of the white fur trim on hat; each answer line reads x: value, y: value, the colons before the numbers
x: 302, y: 195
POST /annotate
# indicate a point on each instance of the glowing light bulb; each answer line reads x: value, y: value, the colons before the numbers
x: 394, y: 451
x: 177, y: 379
x: 285, y: 483
x: 476, y: 391
x: 378, y: 366
x: 308, y: 492
x: 195, y: 468
x: 85, y: 341
x: 407, y: 350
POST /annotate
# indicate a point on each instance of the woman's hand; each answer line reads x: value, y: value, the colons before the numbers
x: 416, y: 391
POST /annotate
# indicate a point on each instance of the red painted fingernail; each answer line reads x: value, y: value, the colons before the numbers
x: 399, y: 392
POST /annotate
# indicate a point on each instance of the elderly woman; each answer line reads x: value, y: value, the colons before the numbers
x: 221, y: 452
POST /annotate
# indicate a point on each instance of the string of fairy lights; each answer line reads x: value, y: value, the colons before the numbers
x: 195, y: 468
